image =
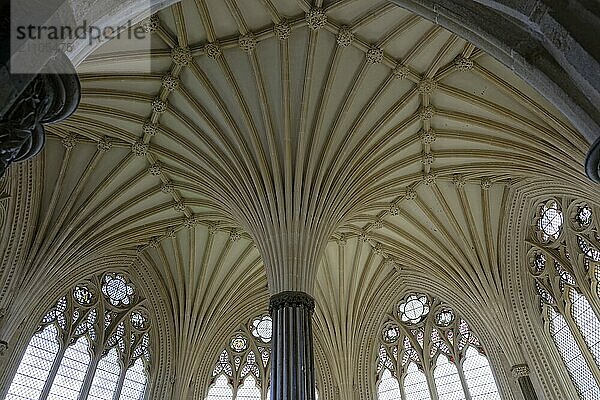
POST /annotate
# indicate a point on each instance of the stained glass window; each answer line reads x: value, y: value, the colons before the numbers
x: 478, y: 376
x: 415, y: 384
x: 249, y: 390
x: 135, y: 382
x: 106, y: 377
x: 551, y: 220
x: 262, y: 328
x: 102, y: 323
x: 35, y: 365
x: 69, y: 378
x: 220, y: 389
x: 565, y: 259
x: 243, y: 369
x: 426, y: 341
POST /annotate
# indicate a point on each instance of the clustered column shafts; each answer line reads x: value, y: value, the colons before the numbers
x: 292, y: 356
x: 521, y: 374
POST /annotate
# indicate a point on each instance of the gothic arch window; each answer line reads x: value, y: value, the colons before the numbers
x: 564, y: 262
x: 93, y: 343
x: 243, y: 369
x: 428, y: 352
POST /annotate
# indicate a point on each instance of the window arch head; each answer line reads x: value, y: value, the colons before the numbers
x: 565, y: 272
x: 424, y: 340
x: 94, y: 342
x: 242, y: 369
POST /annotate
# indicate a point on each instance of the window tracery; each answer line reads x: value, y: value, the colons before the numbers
x: 92, y: 343
x: 243, y: 368
x: 427, y: 351
x: 564, y: 261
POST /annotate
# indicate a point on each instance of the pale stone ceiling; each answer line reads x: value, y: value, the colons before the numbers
x: 380, y: 151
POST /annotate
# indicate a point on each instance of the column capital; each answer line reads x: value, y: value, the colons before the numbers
x: 520, y: 371
x: 291, y: 299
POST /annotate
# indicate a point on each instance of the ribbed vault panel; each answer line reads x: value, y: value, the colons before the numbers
x: 289, y: 120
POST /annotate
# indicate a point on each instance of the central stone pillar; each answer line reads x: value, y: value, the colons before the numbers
x: 292, y: 356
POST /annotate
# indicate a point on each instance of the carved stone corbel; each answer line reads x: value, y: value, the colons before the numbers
x: 47, y: 99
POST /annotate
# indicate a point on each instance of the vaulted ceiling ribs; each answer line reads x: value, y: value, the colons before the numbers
x: 290, y: 118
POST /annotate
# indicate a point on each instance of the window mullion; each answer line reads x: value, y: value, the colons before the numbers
x: 264, y: 388
x: 585, y: 350
x: 235, y: 390
x: 401, y: 384
x: 89, y: 376
x: 433, y: 394
x: 463, y: 381
x: 53, y: 371
x: 119, y: 388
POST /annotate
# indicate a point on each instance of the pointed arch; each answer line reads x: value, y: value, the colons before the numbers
x: 93, y: 336
x: 430, y: 352
x: 564, y: 262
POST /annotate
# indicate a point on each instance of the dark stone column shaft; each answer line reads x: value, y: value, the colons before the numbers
x: 521, y: 374
x: 292, y: 356
x: 527, y: 388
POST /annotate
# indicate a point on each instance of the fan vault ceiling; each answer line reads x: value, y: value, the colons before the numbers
x: 334, y: 146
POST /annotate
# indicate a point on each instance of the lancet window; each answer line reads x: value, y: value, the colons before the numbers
x: 93, y: 343
x: 427, y: 351
x: 243, y: 369
x: 564, y: 261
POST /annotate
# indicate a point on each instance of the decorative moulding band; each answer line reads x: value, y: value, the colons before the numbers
x: 291, y: 299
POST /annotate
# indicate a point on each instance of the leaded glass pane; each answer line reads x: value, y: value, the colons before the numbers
x: 589, y: 250
x: 479, y: 377
x: 117, y: 290
x: 249, y: 390
x: 35, y: 365
x: 70, y: 375
x: 586, y: 320
x: 551, y: 220
x: 220, y: 390
x: 571, y: 354
x: 239, y: 343
x: 447, y: 380
x: 414, y: 309
x: 388, y: 388
x: 415, y: 384
x: 134, y: 384
x: 262, y: 328
x: 106, y: 377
